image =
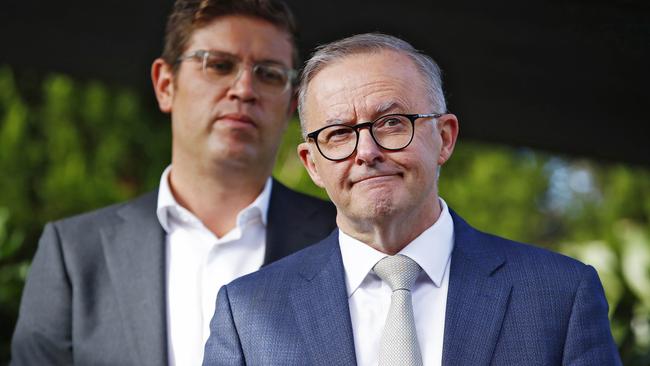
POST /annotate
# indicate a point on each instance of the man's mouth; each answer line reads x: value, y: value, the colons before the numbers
x: 376, y: 177
x: 237, y: 119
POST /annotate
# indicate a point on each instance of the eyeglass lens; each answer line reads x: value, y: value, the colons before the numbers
x: 267, y: 77
x: 392, y: 132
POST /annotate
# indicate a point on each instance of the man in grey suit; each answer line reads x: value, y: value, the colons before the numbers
x: 405, y: 280
x: 135, y: 283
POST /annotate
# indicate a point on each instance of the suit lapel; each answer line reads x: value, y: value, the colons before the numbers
x: 320, y: 303
x: 135, y: 253
x: 477, y: 298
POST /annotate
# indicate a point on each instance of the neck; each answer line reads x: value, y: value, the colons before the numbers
x: 215, y: 196
x: 390, y: 234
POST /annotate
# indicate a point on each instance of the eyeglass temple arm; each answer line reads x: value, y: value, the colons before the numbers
x: 427, y: 115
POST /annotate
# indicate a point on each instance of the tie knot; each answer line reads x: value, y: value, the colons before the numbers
x: 398, y: 271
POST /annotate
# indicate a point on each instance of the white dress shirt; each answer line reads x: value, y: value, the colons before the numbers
x: 199, y: 263
x: 369, y: 297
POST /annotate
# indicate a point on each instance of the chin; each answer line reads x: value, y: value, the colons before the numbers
x: 234, y: 153
x: 379, y: 207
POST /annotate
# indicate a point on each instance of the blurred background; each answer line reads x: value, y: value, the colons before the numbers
x: 552, y: 98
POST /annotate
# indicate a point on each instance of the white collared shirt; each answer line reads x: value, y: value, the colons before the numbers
x: 199, y: 263
x: 369, y: 297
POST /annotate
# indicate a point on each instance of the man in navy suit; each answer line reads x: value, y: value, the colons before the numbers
x: 404, y: 280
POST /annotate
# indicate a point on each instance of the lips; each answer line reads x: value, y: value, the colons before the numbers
x: 237, y: 118
x: 373, y: 177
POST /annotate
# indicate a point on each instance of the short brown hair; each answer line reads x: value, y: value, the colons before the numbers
x: 190, y: 15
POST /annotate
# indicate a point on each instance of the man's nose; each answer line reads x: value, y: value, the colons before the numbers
x: 368, y: 152
x: 242, y: 86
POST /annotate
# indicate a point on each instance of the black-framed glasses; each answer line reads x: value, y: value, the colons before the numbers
x: 390, y: 132
x: 224, y: 69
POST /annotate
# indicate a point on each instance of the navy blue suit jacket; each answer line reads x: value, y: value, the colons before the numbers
x: 507, y: 304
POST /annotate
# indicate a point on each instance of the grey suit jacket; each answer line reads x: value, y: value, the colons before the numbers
x: 95, y: 294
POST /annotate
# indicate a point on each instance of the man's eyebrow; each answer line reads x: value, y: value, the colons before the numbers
x: 271, y: 61
x: 335, y: 121
x: 221, y: 53
x: 380, y: 109
x: 234, y: 56
x: 387, y: 107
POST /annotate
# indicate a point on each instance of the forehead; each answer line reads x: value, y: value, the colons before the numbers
x: 359, y: 87
x: 247, y: 37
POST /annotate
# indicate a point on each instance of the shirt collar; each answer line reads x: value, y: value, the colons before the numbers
x: 431, y: 250
x: 259, y: 206
x: 168, y: 206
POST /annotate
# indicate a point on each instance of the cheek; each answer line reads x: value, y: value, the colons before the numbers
x: 278, y: 106
x: 418, y: 167
x: 189, y: 103
x: 333, y: 176
x: 276, y: 117
x: 422, y: 168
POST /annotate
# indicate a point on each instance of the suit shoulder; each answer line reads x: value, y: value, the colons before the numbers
x: 530, y: 254
x: 533, y: 270
x: 479, y: 243
x: 86, y: 224
x: 528, y: 262
x: 103, y: 214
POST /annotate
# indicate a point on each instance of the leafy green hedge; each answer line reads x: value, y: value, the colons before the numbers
x: 68, y: 146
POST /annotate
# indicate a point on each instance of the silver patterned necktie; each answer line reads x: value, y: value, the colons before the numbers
x: 399, y: 342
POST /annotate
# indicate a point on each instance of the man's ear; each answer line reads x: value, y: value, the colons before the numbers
x: 307, y: 160
x: 162, y: 77
x: 448, y: 130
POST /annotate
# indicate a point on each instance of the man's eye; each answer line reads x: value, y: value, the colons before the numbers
x: 220, y: 66
x: 338, y: 134
x: 392, y: 123
x: 270, y: 75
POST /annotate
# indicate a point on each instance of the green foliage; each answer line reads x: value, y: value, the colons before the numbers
x: 497, y: 189
x: 77, y: 146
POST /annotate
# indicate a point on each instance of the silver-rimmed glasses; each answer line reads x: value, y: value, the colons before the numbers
x: 391, y: 132
x: 223, y: 69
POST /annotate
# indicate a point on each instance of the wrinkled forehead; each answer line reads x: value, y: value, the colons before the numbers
x: 362, y: 86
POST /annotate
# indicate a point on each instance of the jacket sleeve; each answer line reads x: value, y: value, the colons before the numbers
x: 43, y: 331
x: 223, y: 346
x: 589, y: 339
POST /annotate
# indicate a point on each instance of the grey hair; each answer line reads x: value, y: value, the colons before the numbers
x: 370, y: 43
